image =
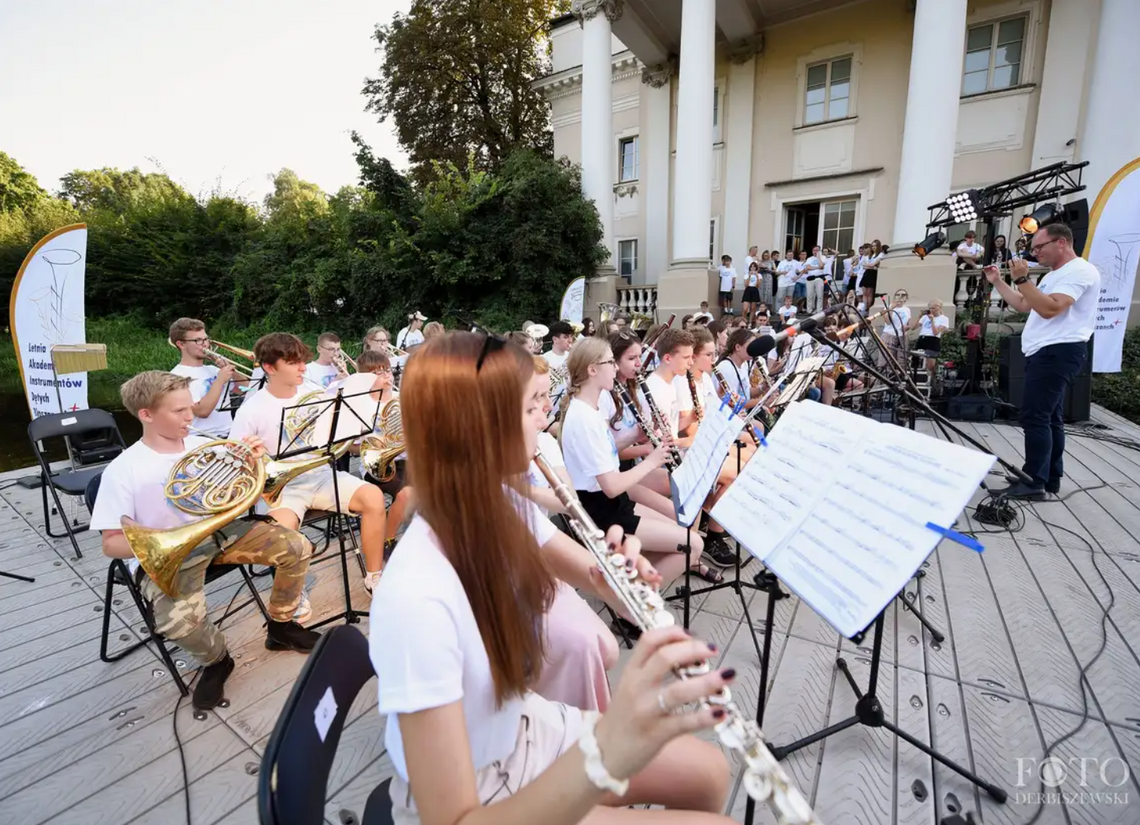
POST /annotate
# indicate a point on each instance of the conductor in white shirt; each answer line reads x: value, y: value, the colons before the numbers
x: 1062, y: 316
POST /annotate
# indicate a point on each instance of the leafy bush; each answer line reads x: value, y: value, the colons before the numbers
x: 1120, y: 391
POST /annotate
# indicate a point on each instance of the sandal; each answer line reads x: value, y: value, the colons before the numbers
x: 703, y: 571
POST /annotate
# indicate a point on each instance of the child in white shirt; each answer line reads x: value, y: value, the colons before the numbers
x: 727, y: 284
x: 209, y: 384
x: 326, y: 372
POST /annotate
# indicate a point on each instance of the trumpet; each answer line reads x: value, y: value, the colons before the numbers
x: 764, y: 778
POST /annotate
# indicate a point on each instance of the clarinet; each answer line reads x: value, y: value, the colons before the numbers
x: 698, y: 408
x: 733, y: 398
x: 660, y: 423
x: 764, y: 778
x: 637, y: 416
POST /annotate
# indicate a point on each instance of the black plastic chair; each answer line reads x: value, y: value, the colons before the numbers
x: 119, y: 575
x: 292, y: 784
x: 77, y: 426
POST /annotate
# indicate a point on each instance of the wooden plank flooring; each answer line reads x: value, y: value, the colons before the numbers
x: 87, y: 742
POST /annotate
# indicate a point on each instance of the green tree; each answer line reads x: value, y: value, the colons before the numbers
x: 118, y: 192
x: 456, y: 79
x: 18, y: 189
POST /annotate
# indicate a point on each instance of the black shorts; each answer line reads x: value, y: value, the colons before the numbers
x: 870, y: 279
x: 751, y: 295
x: 841, y: 381
x: 606, y: 511
x: 726, y: 296
x: 931, y: 343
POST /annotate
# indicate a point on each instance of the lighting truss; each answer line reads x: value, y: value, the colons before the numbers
x: 1001, y: 199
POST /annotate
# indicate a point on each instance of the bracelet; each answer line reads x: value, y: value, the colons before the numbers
x: 595, y: 771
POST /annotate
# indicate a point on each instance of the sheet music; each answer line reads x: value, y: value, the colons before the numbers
x: 691, y: 482
x: 846, y: 535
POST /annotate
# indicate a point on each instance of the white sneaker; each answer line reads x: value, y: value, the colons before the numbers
x: 371, y: 580
x: 304, y: 610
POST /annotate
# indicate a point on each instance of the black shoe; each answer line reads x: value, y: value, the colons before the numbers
x: 290, y: 636
x: 718, y: 552
x: 210, y: 689
x: 1052, y: 486
x: 1021, y: 491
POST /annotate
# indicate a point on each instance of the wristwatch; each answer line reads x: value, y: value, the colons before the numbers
x: 1021, y: 280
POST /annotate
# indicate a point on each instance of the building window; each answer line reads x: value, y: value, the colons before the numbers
x: 627, y: 159
x: 993, y: 56
x: 714, y: 227
x: 839, y: 225
x: 627, y: 258
x: 828, y: 91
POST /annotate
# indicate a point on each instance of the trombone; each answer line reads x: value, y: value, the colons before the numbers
x: 220, y: 359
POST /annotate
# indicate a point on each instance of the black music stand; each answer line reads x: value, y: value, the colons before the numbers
x: 291, y: 450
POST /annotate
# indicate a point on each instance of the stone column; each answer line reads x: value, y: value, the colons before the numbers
x: 929, y: 135
x: 688, y: 281
x: 1066, y: 68
x: 656, y: 132
x: 1110, y: 136
x: 598, y: 147
x: 738, y: 148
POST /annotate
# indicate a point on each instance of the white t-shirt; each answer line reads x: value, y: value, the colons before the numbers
x: 973, y: 249
x: 737, y: 379
x: 848, y: 268
x: 787, y: 271
x: 554, y: 359
x: 940, y: 325
x: 787, y: 312
x: 727, y: 279
x: 548, y: 446
x: 201, y: 380
x: 260, y: 415
x: 829, y: 266
x: 748, y: 260
x: 812, y: 266
x: 752, y: 278
x: 1080, y: 280
x: 426, y: 647
x: 588, y: 446
x: 627, y: 423
x: 405, y: 339
x: 897, y: 322
x: 683, y: 394
x: 133, y: 485
x: 707, y: 388
x: 801, y: 271
x: 667, y: 397
x: 322, y: 375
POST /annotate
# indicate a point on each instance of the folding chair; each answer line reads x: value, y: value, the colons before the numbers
x: 75, y: 427
x: 292, y: 784
x: 118, y: 574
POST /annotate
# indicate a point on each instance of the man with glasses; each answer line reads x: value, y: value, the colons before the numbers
x: 209, y: 384
x: 1062, y: 317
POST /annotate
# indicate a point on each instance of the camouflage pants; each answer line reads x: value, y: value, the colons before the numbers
x: 185, y: 620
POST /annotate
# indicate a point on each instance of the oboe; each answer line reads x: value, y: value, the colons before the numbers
x: 698, y: 407
x: 660, y: 423
x: 764, y: 778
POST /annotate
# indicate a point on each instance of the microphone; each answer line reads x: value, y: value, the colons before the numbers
x: 766, y: 343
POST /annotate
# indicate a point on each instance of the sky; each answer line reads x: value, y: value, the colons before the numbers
x: 219, y: 94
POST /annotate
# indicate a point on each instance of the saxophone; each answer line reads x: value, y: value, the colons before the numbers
x: 698, y: 407
x: 661, y: 424
x: 764, y: 778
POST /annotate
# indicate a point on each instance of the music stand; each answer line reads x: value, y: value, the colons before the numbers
x: 330, y: 410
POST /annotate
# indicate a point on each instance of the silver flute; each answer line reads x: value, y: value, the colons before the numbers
x: 660, y: 423
x: 764, y: 777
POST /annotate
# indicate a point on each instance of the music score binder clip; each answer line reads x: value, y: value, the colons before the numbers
x: 962, y: 539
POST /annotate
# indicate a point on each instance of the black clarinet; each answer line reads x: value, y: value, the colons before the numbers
x: 698, y: 407
x: 660, y: 423
x: 637, y: 416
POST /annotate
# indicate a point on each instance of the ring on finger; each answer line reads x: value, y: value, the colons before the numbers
x: 665, y: 709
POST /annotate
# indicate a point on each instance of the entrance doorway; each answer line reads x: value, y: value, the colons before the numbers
x: 828, y: 223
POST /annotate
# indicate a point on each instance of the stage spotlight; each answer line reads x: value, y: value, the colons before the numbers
x: 929, y: 244
x: 965, y: 207
x: 1041, y: 216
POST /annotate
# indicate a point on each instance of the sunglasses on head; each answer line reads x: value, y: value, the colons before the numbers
x: 491, y: 343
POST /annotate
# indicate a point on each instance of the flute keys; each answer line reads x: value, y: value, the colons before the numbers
x: 759, y: 787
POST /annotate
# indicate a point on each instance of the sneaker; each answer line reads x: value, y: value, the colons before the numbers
x: 210, y: 688
x: 1021, y: 491
x: 304, y: 610
x: 371, y: 580
x: 718, y: 551
x: 290, y: 636
x: 1053, y: 485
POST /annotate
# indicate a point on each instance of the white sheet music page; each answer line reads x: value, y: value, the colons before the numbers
x: 783, y: 481
x: 692, y: 481
x: 867, y: 533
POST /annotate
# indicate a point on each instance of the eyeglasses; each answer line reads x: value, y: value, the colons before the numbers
x: 195, y: 340
x: 491, y: 343
x: 1035, y: 247
x: 607, y: 361
x: 382, y: 371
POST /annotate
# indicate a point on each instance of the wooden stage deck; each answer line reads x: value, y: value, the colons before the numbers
x: 86, y: 742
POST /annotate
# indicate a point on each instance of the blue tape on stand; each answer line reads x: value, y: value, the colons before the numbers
x: 954, y: 535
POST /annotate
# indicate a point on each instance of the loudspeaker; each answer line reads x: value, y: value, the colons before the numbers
x: 1011, y: 381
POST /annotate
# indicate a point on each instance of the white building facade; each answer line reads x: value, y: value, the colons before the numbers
x: 705, y: 127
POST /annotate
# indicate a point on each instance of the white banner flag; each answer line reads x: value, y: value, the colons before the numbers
x: 1114, y: 248
x: 47, y: 309
x: 573, y: 301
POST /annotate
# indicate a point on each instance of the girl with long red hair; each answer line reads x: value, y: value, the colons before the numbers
x: 457, y: 638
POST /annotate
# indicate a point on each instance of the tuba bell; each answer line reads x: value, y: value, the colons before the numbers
x: 607, y: 311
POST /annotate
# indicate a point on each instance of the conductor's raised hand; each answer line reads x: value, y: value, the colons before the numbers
x: 1018, y: 268
x: 992, y: 273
